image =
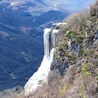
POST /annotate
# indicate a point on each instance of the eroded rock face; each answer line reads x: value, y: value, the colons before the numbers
x: 75, y: 60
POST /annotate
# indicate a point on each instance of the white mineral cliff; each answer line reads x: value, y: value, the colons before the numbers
x: 41, y: 75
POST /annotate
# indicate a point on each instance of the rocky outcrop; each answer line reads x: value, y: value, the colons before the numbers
x: 41, y: 75
x: 70, y: 64
x: 74, y: 70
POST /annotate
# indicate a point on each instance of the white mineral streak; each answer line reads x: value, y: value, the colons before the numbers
x: 46, y: 41
x: 54, y: 34
x: 41, y: 75
x: 69, y: 44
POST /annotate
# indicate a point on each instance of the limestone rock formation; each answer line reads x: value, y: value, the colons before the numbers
x: 41, y: 75
x: 74, y: 70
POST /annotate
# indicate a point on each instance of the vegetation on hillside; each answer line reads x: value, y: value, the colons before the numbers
x: 75, y: 66
x: 74, y: 70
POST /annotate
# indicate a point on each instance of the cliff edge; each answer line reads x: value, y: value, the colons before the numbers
x: 74, y: 70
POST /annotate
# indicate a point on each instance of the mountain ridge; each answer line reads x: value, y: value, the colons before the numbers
x: 74, y: 70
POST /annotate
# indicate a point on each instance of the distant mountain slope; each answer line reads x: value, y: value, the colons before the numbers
x: 21, y: 43
x: 46, y: 5
x: 74, y: 70
x: 21, y: 30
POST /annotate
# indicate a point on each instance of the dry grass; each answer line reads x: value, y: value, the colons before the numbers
x: 69, y: 86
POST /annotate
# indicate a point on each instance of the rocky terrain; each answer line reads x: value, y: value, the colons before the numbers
x: 74, y: 71
x: 37, y: 7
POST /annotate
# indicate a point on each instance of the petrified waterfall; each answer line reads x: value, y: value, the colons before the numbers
x: 47, y: 41
x: 41, y: 75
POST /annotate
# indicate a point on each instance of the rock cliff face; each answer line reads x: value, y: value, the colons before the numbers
x: 74, y: 70
x: 40, y: 77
